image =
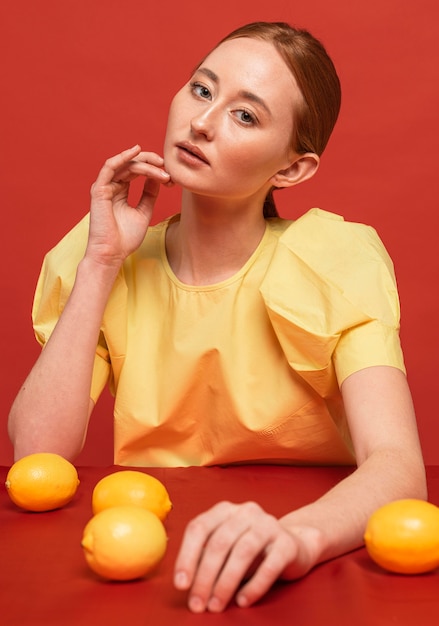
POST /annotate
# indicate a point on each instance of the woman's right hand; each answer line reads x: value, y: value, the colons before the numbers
x: 116, y: 228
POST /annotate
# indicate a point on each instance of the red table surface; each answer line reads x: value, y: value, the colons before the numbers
x: 44, y: 578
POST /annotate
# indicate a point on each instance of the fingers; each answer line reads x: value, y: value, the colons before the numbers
x: 195, y: 538
x: 218, y: 550
x: 117, y: 228
x: 282, y: 551
x: 124, y: 167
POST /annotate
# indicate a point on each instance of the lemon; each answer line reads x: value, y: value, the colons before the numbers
x: 131, y: 487
x: 403, y: 536
x: 124, y: 542
x: 42, y: 481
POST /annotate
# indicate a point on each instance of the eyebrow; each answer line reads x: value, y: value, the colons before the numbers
x: 249, y: 95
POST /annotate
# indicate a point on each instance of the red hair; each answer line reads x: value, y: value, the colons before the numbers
x: 316, y: 78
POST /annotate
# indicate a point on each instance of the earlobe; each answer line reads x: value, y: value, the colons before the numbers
x: 303, y: 168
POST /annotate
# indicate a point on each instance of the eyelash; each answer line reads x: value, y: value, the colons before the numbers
x: 197, y: 88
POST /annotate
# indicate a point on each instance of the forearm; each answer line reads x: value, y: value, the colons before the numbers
x: 52, y: 408
x: 335, y: 523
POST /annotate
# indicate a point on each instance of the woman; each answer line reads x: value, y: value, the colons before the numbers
x: 226, y: 333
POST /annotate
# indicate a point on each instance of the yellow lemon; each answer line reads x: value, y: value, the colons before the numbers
x: 42, y: 481
x: 403, y: 536
x: 124, y: 542
x: 131, y: 487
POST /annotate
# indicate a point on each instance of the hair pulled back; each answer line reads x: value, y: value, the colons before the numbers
x: 316, y: 78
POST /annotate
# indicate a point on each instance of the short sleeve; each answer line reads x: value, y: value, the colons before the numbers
x: 53, y: 289
x: 331, y: 295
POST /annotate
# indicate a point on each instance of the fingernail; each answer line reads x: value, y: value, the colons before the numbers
x: 241, y: 600
x: 196, y: 604
x: 214, y: 605
x: 181, y: 580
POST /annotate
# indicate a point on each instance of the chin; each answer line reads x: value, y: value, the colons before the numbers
x: 180, y: 177
x: 173, y: 169
x: 177, y: 178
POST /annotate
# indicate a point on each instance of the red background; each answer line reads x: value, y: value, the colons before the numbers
x: 83, y: 79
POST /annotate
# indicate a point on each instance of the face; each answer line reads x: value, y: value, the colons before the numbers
x: 229, y: 129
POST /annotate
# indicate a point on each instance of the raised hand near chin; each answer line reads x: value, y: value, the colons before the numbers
x: 116, y: 227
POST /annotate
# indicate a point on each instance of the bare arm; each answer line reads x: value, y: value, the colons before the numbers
x: 389, y: 458
x: 52, y: 409
x: 222, y: 544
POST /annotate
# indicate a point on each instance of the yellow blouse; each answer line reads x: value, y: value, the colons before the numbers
x: 246, y: 370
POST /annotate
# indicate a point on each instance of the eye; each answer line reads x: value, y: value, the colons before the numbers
x: 246, y: 117
x: 200, y: 90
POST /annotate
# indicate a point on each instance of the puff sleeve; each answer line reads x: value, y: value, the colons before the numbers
x: 340, y: 312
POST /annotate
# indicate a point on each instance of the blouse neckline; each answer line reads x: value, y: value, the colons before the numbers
x: 214, y: 286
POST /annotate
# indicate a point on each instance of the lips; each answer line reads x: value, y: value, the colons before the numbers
x: 193, y: 151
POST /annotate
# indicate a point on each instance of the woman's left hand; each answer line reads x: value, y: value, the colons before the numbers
x: 233, y: 542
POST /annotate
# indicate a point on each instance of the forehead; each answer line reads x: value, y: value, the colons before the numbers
x: 252, y: 64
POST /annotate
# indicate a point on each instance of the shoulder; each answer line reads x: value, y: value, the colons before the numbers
x: 60, y: 262
x: 71, y: 248
x: 326, y: 239
x: 75, y: 240
x: 336, y: 266
x: 157, y: 231
x: 153, y: 245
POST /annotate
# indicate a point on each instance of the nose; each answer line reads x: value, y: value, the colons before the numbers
x: 203, y: 123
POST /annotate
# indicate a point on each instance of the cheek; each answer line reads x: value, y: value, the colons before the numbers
x: 176, y: 110
x: 255, y: 160
x: 171, y: 128
x: 171, y: 117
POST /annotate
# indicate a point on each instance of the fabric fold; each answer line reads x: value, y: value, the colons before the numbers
x: 327, y: 280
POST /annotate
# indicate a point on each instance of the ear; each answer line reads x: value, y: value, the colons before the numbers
x: 303, y: 168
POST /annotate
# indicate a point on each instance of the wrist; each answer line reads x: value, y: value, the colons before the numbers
x: 312, y: 544
x: 105, y: 272
x: 98, y: 267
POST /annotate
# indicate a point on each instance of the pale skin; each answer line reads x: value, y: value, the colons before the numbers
x: 221, y: 220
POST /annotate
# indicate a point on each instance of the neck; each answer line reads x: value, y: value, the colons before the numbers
x: 213, y: 239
